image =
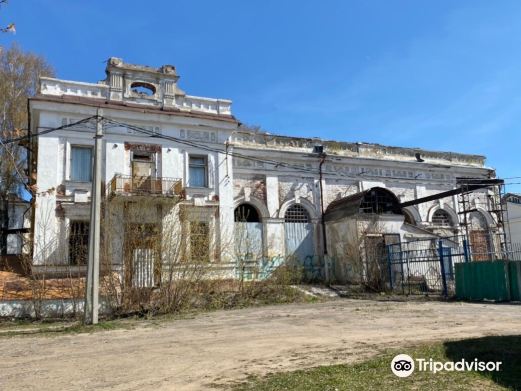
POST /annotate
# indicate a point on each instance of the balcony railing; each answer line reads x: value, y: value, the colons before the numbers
x: 144, y: 185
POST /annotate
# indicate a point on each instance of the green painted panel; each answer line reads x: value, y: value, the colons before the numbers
x: 515, y: 280
x: 483, y: 280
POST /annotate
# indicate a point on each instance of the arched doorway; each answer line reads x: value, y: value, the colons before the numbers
x: 479, y: 237
x: 298, y: 231
x: 248, y: 233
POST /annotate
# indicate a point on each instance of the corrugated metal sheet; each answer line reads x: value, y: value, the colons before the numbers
x: 515, y: 280
x: 299, y: 240
x: 143, y: 268
x: 248, y: 240
x: 485, y: 280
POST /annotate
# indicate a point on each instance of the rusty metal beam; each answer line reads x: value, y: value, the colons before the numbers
x: 467, y: 185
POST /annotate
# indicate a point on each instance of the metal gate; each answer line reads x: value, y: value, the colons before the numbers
x: 298, y: 232
x: 425, y: 266
x: 248, y: 240
x: 299, y: 240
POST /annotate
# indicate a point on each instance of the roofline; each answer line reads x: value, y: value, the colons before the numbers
x: 122, y: 106
x: 318, y: 140
x: 82, y: 83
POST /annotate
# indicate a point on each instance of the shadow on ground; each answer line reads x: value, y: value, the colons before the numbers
x: 506, y: 349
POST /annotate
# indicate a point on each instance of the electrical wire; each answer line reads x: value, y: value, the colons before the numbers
x: 274, y: 163
x: 47, y: 131
x: 232, y: 153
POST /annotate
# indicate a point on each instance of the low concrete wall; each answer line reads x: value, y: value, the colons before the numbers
x: 45, y: 308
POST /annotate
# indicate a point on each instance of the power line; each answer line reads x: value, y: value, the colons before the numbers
x: 274, y: 163
x: 50, y: 130
x: 247, y: 157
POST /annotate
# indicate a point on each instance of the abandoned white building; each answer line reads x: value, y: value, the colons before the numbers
x: 513, y: 205
x: 161, y: 144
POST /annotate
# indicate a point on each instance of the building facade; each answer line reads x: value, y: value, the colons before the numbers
x: 182, y: 169
x: 513, y: 205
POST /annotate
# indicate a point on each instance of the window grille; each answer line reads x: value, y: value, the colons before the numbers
x: 379, y: 201
x: 441, y: 218
x: 78, y: 242
x: 296, y: 214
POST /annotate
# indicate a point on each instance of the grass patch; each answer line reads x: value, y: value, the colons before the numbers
x: 50, y: 328
x: 375, y: 374
x: 213, y: 298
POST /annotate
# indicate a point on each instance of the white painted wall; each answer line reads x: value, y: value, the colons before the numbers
x: 369, y: 166
x: 514, y: 219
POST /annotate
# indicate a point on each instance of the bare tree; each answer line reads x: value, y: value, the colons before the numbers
x: 19, y: 74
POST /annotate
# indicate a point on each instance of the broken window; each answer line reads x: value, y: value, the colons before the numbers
x: 408, y: 219
x: 246, y: 213
x: 441, y: 218
x: 380, y: 201
x: 143, y: 89
x: 78, y: 242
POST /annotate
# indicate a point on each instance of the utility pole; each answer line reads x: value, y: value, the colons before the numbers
x: 92, y: 285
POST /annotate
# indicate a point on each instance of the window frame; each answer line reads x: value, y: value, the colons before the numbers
x: 85, y: 223
x: 446, y: 216
x: 204, y: 166
x: 71, y: 160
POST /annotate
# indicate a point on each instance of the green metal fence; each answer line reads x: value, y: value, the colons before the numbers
x: 515, y: 280
x: 483, y: 280
x: 455, y: 265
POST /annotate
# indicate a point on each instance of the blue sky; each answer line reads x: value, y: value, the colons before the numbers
x: 442, y: 75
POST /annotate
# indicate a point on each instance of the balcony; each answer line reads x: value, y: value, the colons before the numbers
x: 128, y: 185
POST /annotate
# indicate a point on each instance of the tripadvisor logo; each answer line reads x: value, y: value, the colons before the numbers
x: 404, y: 365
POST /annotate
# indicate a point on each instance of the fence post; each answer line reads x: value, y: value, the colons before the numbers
x: 442, y: 264
x: 466, y: 250
x: 389, y: 266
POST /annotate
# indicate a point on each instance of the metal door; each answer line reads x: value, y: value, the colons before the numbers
x: 143, y: 261
x: 299, y: 241
x: 248, y: 241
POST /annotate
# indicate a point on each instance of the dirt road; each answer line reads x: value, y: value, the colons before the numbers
x: 225, y: 346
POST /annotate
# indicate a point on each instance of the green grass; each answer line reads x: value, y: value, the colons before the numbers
x: 62, y: 327
x: 375, y: 374
x: 265, y: 295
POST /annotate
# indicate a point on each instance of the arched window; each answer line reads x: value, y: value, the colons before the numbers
x: 441, y: 218
x: 246, y: 213
x: 380, y: 201
x: 296, y: 214
x: 478, y: 221
x: 409, y: 219
x: 142, y: 88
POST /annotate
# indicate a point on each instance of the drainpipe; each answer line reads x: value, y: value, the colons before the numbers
x: 324, y: 241
x: 31, y: 154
